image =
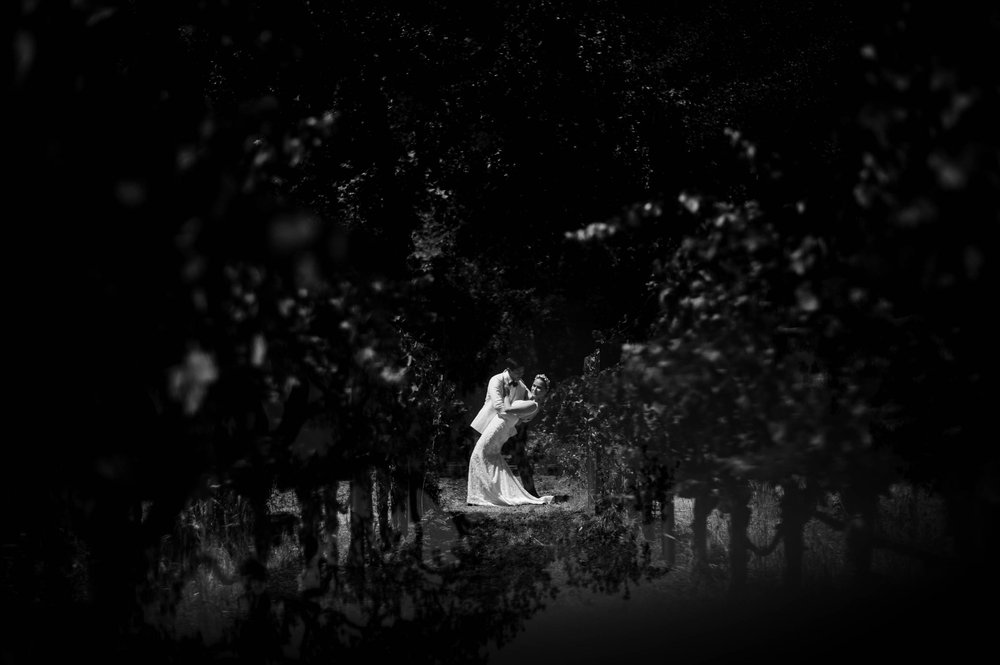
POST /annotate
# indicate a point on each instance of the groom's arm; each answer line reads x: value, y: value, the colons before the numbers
x: 495, y: 392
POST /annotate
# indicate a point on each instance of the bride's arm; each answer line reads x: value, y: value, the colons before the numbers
x: 522, y: 408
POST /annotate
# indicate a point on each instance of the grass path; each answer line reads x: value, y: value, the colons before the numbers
x: 906, y: 516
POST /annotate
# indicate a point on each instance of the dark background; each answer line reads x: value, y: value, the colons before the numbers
x: 364, y: 187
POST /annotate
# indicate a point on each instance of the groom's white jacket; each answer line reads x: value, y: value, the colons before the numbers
x: 494, y: 400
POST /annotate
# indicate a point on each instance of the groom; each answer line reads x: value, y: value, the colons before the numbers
x: 507, y: 382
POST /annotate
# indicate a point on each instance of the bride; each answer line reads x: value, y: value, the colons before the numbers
x: 491, y: 482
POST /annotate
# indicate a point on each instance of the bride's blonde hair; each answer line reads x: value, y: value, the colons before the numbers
x: 544, y: 379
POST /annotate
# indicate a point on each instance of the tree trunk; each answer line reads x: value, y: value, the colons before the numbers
x: 592, y: 498
x: 331, y: 525
x: 971, y: 523
x: 668, y: 535
x: 382, y: 507
x: 361, y: 518
x: 661, y: 535
x: 117, y: 564
x: 399, y: 503
x: 416, y: 498
x: 644, y: 506
x: 416, y: 512
x: 739, y: 495
x: 591, y: 367
x: 794, y: 515
x: 261, y: 522
x: 311, y: 511
x: 861, y: 503
x: 704, y: 503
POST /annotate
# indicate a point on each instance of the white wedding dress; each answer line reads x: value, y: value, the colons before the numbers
x: 491, y: 482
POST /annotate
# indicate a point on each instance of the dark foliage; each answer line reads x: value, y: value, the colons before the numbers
x: 263, y: 244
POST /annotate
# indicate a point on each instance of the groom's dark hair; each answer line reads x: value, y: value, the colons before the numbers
x: 511, y: 362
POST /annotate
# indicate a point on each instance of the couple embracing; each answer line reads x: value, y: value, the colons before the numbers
x: 508, y: 402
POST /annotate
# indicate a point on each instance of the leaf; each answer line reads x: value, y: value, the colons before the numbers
x: 807, y: 300
x: 24, y: 53
x: 100, y: 16
x: 737, y: 465
x: 711, y: 355
x: 259, y: 351
x: 189, y: 381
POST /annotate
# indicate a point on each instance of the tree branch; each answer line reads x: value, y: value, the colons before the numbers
x: 885, y: 544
